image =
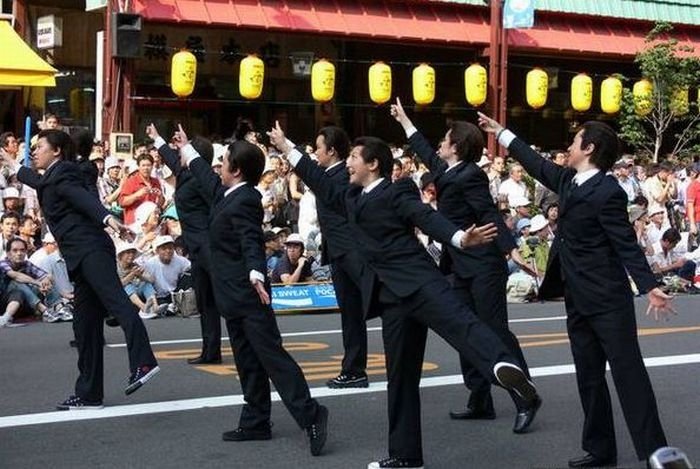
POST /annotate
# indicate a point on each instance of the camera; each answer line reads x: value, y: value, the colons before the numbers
x: 669, y: 458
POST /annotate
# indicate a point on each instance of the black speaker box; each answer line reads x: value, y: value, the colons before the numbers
x: 126, y: 35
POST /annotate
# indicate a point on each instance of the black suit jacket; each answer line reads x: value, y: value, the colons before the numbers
x: 463, y: 197
x: 237, y: 246
x: 193, y: 205
x: 594, y: 243
x: 382, y: 224
x: 74, y: 215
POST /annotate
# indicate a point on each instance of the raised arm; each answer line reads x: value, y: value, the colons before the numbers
x: 170, y: 156
x: 416, y: 140
x: 209, y: 181
x: 548, y: 173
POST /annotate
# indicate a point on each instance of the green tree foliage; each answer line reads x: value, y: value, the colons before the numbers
x: 670, y: 67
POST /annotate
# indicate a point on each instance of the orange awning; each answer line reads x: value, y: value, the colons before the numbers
x: 431, y: 22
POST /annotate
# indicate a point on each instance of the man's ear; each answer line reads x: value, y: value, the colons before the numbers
x: 373, y: 165
x: 590, y: 149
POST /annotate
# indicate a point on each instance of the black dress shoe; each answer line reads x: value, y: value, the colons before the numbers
x: 524, y: 417
x: 589, y: 460
x: 473, y: 414
x: 200, y: 360
x: 247, y: 434
x: 318, y: 431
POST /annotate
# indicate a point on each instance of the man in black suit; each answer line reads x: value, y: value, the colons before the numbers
x: 193, y: 208
x: 339, y: 249
x: 594, y: 249
x: 401, y: 283
x: 242, y: 293
x: 479, y: 274
x: 77, y: 220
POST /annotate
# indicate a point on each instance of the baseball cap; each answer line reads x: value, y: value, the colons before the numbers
x: 537, y: 223
x: 111, y: 162
x: 518, y: 201
x: 270, y: 236
x: 522, y: 224
x: 295, y: 238
x: 123, y: 247
x: 162, y: 240
x: 10, y: 193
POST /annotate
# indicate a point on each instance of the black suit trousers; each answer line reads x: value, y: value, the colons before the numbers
x: 485, y: 293
x: 98, y: 289
x: 352, y: 319
x: 404, y: 329
x: 209, y: 317
x: 260, y: 358
x: 612, y: 337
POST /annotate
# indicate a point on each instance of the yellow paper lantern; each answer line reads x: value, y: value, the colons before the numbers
x: 323, y: 81
x: 183, y: 73
x: 379, y: 83
x: 610, y: 95
x: 581, y: 92
x: 679, y: 101
x: 423, y: 84
x: 642, y: 91
x: 250, y: 77
x: 537, y: 83
x: 475, y: 84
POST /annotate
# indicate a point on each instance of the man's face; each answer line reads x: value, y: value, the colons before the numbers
x: 446, y: 150
x: 360, y: 172
x: 498, y: 164
x: 145, y: 168
x: 166, y: 252
x: 523, y: 211
x: 28, y: 227
x: 113, y: 173
x: 324, y: 155
x: 668, y: 245
x: 11, y: 204
x: 9, y: 227
x: 577, y: 154
x: 44, y: 154
x: 140, y: 150
x: 227, y: 175
x: 516, y: 173
x: 17, y: 253
x: 294, y: 252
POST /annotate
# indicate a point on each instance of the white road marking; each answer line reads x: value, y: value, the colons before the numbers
x: 327, y: 332
x: 235, y: 400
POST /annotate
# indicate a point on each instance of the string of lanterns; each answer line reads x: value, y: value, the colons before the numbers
x: 252, y: 72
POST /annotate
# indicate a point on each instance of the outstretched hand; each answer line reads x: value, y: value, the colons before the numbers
x: 180, y: 137
x: 488, y: 125
x: 398, y: 113
x: 262, y: 293
x: 660, y: 305
x: 475, y: 235
x: 278, y: 139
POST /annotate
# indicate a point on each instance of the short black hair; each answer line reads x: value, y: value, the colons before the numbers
x: 374, y: 148
x: 4, y: 137
x: 671, y: 235
x: 8, y: 245
x: 426, y: 179
x: 59, y: 140
x: 203, y: 147
x: 243, y: 127
x: 144, y: 156
x: 7, y: 215
x: 467, y: 139
x: 641, y: 201
x: 605, y: 142
x: 337, y: 139
x: 83, y: 140
x: 248, y: 158
x: 666, y: 166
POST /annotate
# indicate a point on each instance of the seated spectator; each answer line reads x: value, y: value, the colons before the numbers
x: 137, y: 283
x: 521, y: 206
x: 9, y: 228
x: 166, y: 268
x: 11, y: 201
x: 147, y: 228
x: 283, y: 232
x: 27, y: 231
x: 514, y: 185
x: 535, y: 249
x: 665, y: 261
x: 551, y: 213
x: 293, y: 267
x: 109, y: 186
x: 522, y: 230
x: 170, y: 222
x: 49, y: 259
x: 30, y: 289
x: 639, y: 219
x: 658, y: 224
x: 181, y: 247
x: 272, y: 251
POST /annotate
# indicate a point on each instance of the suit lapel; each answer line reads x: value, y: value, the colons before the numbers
x: 580, y: 193
x: 373, y: 194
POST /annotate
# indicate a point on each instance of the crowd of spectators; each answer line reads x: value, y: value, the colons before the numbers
x: 664, y: 210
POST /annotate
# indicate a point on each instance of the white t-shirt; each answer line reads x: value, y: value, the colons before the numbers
x: 513, y: 189
x: 166, y: 276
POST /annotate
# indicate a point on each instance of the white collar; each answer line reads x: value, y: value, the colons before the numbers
x: 584, y: 176
x: 234, y: 187
x: 334, y: 165
x: 371, y: 186
x: 454, y: 165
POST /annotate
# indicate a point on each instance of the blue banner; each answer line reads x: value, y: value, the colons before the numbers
x: 304, y: 297
x: 519, y: 14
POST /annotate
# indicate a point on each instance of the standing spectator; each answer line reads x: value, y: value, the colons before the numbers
x: 514, y: 186
x: 9, y: 143
x: 658, y: 224
x: 166, y: 268
x: 639, y: 219
x: 109, y: 186
x: 692, y: 200
x: 293, y: 267
x: 544, y: 196
x: 139, y: 188
x: 11, y: 201
x: 396, y: 170
x: 495, y: 175
x: 621, y: 171
x: 551, y: 213
x: 661, y: 188
x: 268, y: 200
